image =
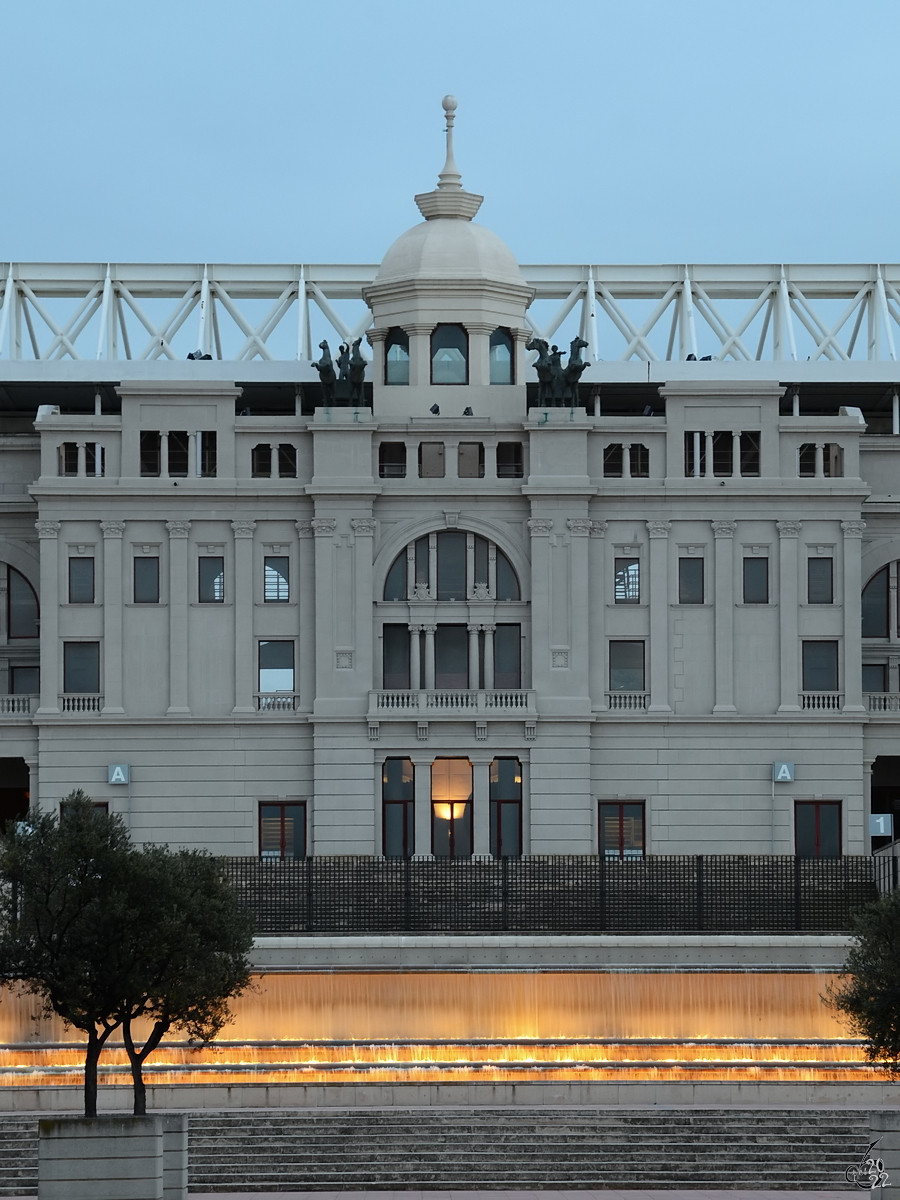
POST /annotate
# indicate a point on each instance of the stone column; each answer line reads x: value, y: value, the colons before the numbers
x: 112, y: 615
x: 709, y: 456
x: 659, y: 615
x: 724, y: 615
x: 274, y: 467
x: 488, y: 656
x: 48, y: 533
x: 323, y: 530
x: 164, y: 456
x: 735, y: 454
x: 363, y: 567
x: 423, y: 804
x: 179, y: 600
x: 415, y: 662
x: 820, y: 460
x: 244, y: 674
x: 419, y: 354
x: 81, y: 449
x: 597, y: 615
x: 430, y: 631
x: 473, y: 631
x: 626, y: 460
x: 541, y: 529
x: 852, y: 601
x: 376, y: 339
x: 789, y: 602
x: 481, y: 804
x: 34, y: 799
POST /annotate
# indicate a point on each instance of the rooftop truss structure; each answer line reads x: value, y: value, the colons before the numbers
x: 236, y: 313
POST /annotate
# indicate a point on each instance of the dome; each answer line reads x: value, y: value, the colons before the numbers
x: 449, y: 248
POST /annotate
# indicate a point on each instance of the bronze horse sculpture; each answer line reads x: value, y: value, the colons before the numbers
x: 558, y: 385
x: 327, y: 377
x: 356, y: 373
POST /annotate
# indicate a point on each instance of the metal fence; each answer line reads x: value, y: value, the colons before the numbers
x: 559, y: 893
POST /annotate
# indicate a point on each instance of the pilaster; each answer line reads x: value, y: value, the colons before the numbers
x: 363, y: 657
x: 112, y: 616
x: 852, y: 601
x: 243, y: 616
x: 178, y: 617
x: 597, y: 615
x: 659, y: 615
x: 788, y: 608
x: 723, y: 532
x: 48, y: 534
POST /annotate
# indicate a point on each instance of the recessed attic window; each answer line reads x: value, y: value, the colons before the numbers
x: 449, y: 355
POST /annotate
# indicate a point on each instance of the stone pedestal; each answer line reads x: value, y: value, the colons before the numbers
x: 113, y: 1158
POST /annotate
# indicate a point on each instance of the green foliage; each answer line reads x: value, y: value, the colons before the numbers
x: 868, y: 991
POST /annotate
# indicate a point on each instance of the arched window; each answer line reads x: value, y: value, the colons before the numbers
x: 449, y: 355
x: 23, y: 613
x: 452, y: 566
x: 396, y: 356
x: 501, y: 357
x: 875, y: 623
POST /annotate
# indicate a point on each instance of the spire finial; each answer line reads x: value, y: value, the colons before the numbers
x: 449, y: 179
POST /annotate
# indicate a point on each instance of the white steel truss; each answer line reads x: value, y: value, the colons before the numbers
x: 651, y: 314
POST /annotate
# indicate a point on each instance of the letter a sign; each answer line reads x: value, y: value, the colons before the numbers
x: 119, y: 773
x: 783, y: 772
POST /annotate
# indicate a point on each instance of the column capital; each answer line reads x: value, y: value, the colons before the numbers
x: 413, y: 328
x: 429, y: 629
x: 304, y: 529
x: 788, y: 529
x: 483, y: 327
x: 47, y: 529
x: 243, y: 529
x: 377, y: 334
x: 323, y: 526
x: 416, y: 628
x: 112, y: 529
x: 599, y: 528
x: 853, y: 529
x: 579, y: 526
x: 178, y: 529
x: 364, y: 526
x: 659, y: 529
x: 540, y: 526
x: 723, y: 529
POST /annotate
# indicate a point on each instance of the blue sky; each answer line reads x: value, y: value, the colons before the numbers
x: 299, y: 130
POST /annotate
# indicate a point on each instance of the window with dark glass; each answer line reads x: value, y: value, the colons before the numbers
x: 146, y: 580
x: 398, y: 793
x: 395, y: 657
x: 178, y: 453
x: 23, y: 619
x: 24, y: 681
x: 287, y: 461
x: 817, y: 828
x: 820, y: 580
x: 81, y: 667
x: 81, y: 580
x: 508, y: 656
x: 613, y: 461
x: 451, y: 565
x: 451, y: 656
x: 95, y: 459
x: 277, y: 579
x: 68, y: 458
x: 261, y: 461
x: 422, y: 560
x: 282, y: 830
x: 694, y: 453
x: 820, y: 666
x: 150, y: 454
x: 723, y: 447
x: 431, y: 460
x: 470, y: 460
x: 396, y: 356
x: 276, y: 667
x: 875, y: 606
x: 750, y: 454
x: 874, y: 677
x: 628, y: 581
x: 507, y: 580
x: 482, y: 569
x: 395, y: 585
x: 449, y: 355
x: 756, y: 581
x: 639, y: 461
x: 392, y: 460
x: 626, y: 666
x: 806, y: 460
x: 206, y: 441
x: 451, y: 808
x: 510, y: 460
x: 690, y: 580
x: 212, y: 579
x: 501, y: 353
x: 621, y: 830
x: 452, y: 582
x: 99, y: 806
x: 506, y: 807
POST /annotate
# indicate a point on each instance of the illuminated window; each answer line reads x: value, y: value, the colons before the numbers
x: 451, y: 808
x: 398, y: 787
x: 506, y: 807
x: 282, y: 830
x: 622, y: 830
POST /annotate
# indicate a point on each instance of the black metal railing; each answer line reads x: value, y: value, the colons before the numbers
x: 559, y: 893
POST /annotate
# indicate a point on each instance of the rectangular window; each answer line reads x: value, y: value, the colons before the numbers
x: 612, y: 461
x: 95, y: 459
x: 694, y: 453
x: 626, y: 666
x: 24, y: 681
x: 639, y: 461
x: 395, y: 656
x: 282, y: 830
x: 261, y: 461
x: 622, y: 830
x: 81, y: 581
x: 750, y: 454
x: 206, y: 454
x: 723, y: 448
x: 68, y: 458
x: 874, y: 677
x: 833, y: 461
x: 506, y: 807
x: 806, y: 461
x: 277, y: 574
x: 470, y: 464
x: 690, y: 580
x: 817, y: 828
x: 212, y: 579
x: 510, y: 461
x: 81, y: 667
x: 392, y: 460
x: 276, y: 667
x: 150, y: 457
x: 628, y: 581
x: 146, y: 580
x: 820, y: 666
x: 178, y: 454
x: 820, y: 580
x: 451, y: 808
x: 451, y: 565
x: 451, y: 656
x: 507, y: 656
x: 431, y: 460
x: 287, y: 461
x: 756, y: 581
x: 398, y: 790
x: 100, y: 806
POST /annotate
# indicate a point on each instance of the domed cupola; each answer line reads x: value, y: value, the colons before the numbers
x: 449, y: 300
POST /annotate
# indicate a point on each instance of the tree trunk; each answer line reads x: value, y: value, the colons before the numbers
x: 91, y: 1059
x: 136, y: 1059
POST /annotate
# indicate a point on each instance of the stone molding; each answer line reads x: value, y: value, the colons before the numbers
x: 788, y: 529
x: 723, y: 529
x: 364, y: 526
x: 304, y: 529
x: 540, y: 526
x: 112, y: 529
x: 598, y: 528
x: 659, y: 529
x: 178, y: 529
x: 243, y: 529
x: 579, y: 526
x: 48, y: 529
x: 853, y: 529
x: 323, y: 526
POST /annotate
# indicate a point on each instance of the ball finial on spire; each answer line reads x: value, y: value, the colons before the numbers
x: 449, y: 104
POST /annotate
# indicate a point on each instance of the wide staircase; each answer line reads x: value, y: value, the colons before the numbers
x: 501, y: 1148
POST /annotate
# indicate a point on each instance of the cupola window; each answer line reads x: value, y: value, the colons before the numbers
x: 396, y: 357
x: 501, y: 357
x: 449, y: 355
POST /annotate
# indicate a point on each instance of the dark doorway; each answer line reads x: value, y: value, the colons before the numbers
x: 886, y: 793
x: 14, y: 783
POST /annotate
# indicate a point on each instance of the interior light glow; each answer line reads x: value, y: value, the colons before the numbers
x: 445, y: 811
